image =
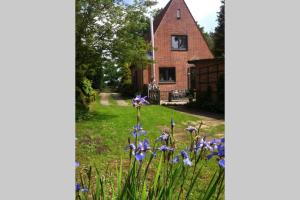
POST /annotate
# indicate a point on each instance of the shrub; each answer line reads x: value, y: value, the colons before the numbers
x: 85, y: 94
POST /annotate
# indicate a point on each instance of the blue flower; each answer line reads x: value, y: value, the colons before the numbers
x: 222, y: 163
x: 191, y: 129
x: 176, y: 159
x: 187, y: 161
x: 221, y: 150
x: 138, y: 130
x: 212, y: 145
x: 165, y: 148
x: 77, y: 187
x: 146, y: 145
x: 140, y: 156
x: 131, y: 146
x: 218, y: 151
x: 184, y: 154
x: 141, y: 149
x: 139, y: 101
x: 163, y: 137
x: 84, y: 190
x: 77, y: 164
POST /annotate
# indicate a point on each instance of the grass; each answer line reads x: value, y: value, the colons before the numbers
x: 102, y: 137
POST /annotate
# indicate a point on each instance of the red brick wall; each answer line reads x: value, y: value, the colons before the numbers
x: 197, y: 47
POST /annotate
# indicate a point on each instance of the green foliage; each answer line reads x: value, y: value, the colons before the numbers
x: 85, y: 94
x: 208, y: 36
x: 130, y: 47
x: 219, y: 33
x: 168, y: 182
x: 126, y: 87
x: 109, y: 34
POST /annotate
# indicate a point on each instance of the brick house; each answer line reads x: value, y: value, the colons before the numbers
x: 177, y: 39
x: 208, y: 80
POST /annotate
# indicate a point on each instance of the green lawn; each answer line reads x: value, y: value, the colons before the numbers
x: 102, y: 138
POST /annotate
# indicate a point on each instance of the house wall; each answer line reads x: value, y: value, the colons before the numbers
x: 165, y: 57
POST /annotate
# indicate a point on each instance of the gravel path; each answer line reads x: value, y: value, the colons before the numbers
x: 104, y: 98
x: 119, y: 100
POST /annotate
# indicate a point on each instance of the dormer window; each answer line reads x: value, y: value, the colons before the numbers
x: 178, y: 14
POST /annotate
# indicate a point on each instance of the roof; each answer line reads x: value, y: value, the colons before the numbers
x: 160, y: 16
x: 157, y: 20
x: 207, y: 61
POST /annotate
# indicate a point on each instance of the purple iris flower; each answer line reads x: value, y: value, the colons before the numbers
x: 165, y: 148
x: 184, y: 154
x: 141, y: 150
x: 77, y: 187
x: 163, y: 137
x: 200, y: 144
x: 222, y: 163
x: 220, y: 151
x: 140, y: 156
x: 191, y: 129
x: 176, y: 159
x: 187, y: 161
x: 84, y: 190
x: 131, y: 146
x: 139, y: 101
x: 138, y: 130
x: 77, y: 164
x: 146, y: 145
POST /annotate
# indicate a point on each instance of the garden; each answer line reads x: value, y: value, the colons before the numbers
x: 144, y: 151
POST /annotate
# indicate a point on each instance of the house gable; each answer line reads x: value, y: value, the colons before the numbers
x: 167, y: 17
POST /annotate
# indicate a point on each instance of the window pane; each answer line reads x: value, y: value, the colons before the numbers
x: 179, y: 42
x: 167, y: 74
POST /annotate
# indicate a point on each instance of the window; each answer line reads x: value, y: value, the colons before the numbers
x: 179, y: 43
x: 178, y: 14
x: 167, y: 74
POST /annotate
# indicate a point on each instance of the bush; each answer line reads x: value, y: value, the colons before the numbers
x: 85, y: 94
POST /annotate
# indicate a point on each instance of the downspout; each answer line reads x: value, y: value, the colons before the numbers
x: 153, y: 54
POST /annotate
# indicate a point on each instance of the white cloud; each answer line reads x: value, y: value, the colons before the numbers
x: 201, y: 10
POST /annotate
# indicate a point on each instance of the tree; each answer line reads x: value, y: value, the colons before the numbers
x: 94, y: 22
x: 130, y: 47
x: 219, y: 33
x: 109, y: 36
x: 208, y: 36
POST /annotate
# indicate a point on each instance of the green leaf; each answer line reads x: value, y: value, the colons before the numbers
x: 157, y: 174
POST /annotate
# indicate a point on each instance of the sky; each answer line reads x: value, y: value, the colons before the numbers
x: 203, y: 11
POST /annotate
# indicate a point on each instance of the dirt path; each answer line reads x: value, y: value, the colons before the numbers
x: 209, y: 119
x: 119, y: 100
x: 104, y: 98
